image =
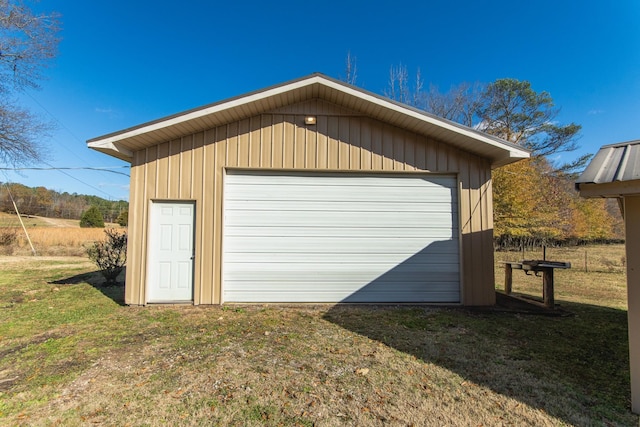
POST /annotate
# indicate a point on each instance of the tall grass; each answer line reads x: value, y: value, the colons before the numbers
x: 61, y: 241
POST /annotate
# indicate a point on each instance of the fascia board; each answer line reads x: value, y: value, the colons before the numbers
x: 512, y: 152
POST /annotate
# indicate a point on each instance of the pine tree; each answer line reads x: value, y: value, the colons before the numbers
x: 92, y: 218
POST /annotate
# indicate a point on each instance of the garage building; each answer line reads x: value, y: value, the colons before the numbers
x: 309, y: 191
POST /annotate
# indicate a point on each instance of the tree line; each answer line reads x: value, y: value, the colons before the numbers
x: 535, y: 201
x: 41, y: 201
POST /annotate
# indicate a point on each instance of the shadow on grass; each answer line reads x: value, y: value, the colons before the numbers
x: 572, y: 367
x: 95, y: 279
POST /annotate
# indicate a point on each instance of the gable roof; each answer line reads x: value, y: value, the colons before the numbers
x: 124, y: 143
x: 613, y: 171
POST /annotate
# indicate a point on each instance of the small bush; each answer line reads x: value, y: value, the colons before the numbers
x: 8, y: 240
x: 8, y: 236
x: 92, y: 217
x: 110, y: 255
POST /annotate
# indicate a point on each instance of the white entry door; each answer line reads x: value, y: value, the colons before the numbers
x: 170, y: 264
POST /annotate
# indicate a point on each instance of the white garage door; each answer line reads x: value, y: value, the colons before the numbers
x: 335, y: 237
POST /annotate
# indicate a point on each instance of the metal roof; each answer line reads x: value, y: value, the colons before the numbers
x: 616, y: 162
x: 613, y: 170
x: 124, y: 143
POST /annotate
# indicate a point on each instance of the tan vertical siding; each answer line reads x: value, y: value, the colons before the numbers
x: 420, y: 151
x: 410, y: 153
x: 333, y: 152
x: 197, y: 189
x: 288, y: 143
x: 174, y: 171
x: 344, y: 148
x: 300, y: 145
x: 355, y: 150
x: 632, y: 226
x: 265, y: 136
x: 432, y: 156
x: 466, y: 254
x: 387, y: 148
x: 161, y: 175
x: 366, y: 159
x: 232, y: 144
x: 255, y: 144
x: 193, y: 168
x: 399, y: 152
x: 376, y: 148
x: 486, y: 211
x: 322, y: 141
x: 475, y: 219
x: 137, y: 217
x: 442, y: 161
x: 243, y: 144
x: 311, y: 148
x: 215, y: 216
x: 186, y: 168
x: 453, y: 158
x: 277, y: 150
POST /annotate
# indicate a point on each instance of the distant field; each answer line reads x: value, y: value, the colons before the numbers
x: 7, y: 220
x: 49, y: 236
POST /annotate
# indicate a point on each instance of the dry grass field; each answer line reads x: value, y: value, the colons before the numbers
x: 58, y: 237
x: 71, y: 354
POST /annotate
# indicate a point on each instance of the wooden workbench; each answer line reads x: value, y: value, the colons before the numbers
x: 537, y: 267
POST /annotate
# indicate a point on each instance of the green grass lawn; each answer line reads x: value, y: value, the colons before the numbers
x: 71, y: 354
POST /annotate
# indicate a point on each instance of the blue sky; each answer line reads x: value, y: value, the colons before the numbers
x: 122, y: 63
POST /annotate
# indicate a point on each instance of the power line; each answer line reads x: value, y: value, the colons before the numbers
x: 79, y: 180
x: 62, y: 125
x: 61, y: 170
x: 100, y: 169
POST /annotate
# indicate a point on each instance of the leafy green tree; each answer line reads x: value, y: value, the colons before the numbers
x: 534, y: 200
x: 92, y: 218
x: 123, y: 218
x: 590, y: 220
x: 513, y: 111
x: 507, y: 108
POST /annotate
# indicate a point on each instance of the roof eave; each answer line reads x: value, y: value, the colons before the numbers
x: 123, y: 143
x: 512, y: 157
x: 608, y: 189
x: 112, y: 150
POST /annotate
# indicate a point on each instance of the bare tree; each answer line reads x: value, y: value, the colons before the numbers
x: 28, y: 42
x: 507, y: 108
x: 20, y: 134
x: 398, y: 88
x: 351, y: 69
x: 460, y: 104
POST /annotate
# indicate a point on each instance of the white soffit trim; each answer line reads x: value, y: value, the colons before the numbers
x: 514, y: 151
x: 196, y: 114
x: 108, y: 142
